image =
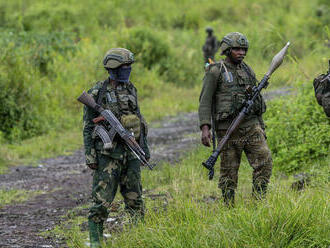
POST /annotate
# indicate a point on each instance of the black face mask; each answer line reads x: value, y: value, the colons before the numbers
x: 120, y: 74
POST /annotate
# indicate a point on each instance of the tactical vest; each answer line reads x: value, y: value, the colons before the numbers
x: 122, y: 101
x: 231, y: 93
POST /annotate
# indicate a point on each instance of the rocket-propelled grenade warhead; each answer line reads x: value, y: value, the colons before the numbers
x: 278, y: 59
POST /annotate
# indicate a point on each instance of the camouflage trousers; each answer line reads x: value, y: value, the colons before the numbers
x: 110, y: 174
x: 252, y: 141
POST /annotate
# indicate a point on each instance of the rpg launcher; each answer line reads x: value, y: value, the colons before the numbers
x: 247, y: 106
x: 115, y: 128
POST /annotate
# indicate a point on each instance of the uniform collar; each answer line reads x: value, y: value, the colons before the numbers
x: 233, y: 66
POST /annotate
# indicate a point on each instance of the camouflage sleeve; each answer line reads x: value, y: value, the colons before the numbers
x: 251, y: 72
x: 205, y: 100
x: 89, y: 115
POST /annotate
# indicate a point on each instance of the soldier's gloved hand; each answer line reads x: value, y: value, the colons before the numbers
x: 206, y: 135
x: 92, y: 166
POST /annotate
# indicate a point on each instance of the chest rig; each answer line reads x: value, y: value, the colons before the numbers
x: 231, y: 92
x: 121, y: 100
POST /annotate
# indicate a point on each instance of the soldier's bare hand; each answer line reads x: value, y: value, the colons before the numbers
x: 92, y: 166
x: 206, y: 135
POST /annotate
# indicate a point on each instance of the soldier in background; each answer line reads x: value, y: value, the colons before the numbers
x: 322, y: 91
x: 211, y: 45
x: 224, y: 89
x: 114, y: 166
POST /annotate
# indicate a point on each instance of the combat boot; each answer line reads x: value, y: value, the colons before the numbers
x: 228, y: 197
x: 95, y: 233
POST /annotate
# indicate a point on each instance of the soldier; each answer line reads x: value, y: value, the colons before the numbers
x: 116, y: 166
x: 322, y: 91
x: 211, y: 45
x: 224, y: 90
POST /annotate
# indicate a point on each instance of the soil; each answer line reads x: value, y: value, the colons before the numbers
x: 65, y: 183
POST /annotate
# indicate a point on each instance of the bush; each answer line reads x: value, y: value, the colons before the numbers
x: 149, y: 47
x: 22, y: 99
x: 153, y: 50
x: 298, y: 130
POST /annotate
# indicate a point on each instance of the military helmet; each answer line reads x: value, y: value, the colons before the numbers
x: 209, y: 29
x: 116, y: 57
x: 234, y: 39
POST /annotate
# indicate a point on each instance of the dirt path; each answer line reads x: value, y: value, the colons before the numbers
x: 65, y: 182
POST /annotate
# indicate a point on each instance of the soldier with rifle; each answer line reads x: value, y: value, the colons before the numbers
x: 230, y: 86
x: 322, y: 91
x: 115, y: 142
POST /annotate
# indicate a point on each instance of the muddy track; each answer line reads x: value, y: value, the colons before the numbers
x: 66, y: 183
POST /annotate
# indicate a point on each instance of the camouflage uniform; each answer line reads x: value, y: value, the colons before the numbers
x: 211, y: 45
x: 322, y: 91
x: 116, y: 166
x: 224, y: 87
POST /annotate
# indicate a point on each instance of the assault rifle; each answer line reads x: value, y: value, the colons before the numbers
x: 252, y: 95
x: 115, y: 128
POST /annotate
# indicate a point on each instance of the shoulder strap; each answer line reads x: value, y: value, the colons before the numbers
x: 102, y: 91
x: 248, y: 71
x: 131, y: 88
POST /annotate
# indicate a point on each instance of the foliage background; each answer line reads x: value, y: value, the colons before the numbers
x: 51, y: 51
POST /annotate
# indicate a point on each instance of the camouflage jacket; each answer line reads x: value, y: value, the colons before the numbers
x: 223, y: 95
x: 122, y: 101
x: 322, y: 93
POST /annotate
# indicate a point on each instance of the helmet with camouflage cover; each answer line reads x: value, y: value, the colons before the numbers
x: 116, y: 57
x: 234, y: 39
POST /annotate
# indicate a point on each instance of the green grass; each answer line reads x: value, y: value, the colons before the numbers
x: 191, y: 213
x: 51, y: 52
x: 170, y: 102
x: 45, y: 146
x: 8, y: 197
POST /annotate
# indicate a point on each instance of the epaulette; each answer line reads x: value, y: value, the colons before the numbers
x: 249, y: 70
x: 131, y: 88
x: 209, y: 66
x: 95, y: 89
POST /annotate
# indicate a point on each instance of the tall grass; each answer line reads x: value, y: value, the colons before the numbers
x: 184, y: 209
x: 195, y: 216
x: 51, y: 51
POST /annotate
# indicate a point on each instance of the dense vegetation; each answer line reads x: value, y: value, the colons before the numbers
x: 50, y: 51
x: 186, y: 210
